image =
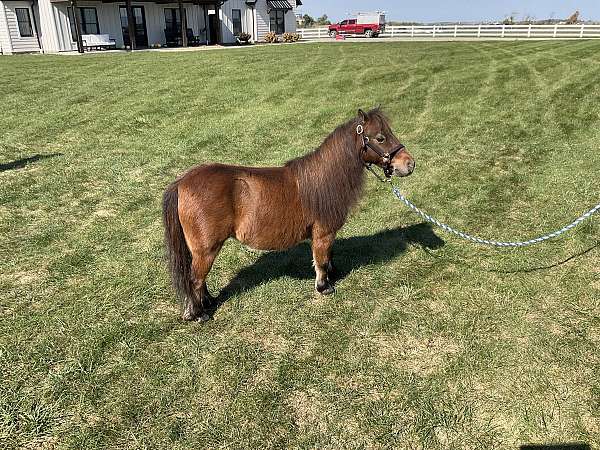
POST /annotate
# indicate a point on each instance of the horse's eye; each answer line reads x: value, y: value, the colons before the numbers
x: 380, y: 139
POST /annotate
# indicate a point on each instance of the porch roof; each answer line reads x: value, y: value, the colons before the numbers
x: 279, y: 4
x: 195, y: 2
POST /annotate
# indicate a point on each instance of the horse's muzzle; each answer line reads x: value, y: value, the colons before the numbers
x: 404, y: 168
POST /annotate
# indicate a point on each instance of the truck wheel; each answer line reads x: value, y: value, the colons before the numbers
x: 333, y: 33
x: 369, y: 33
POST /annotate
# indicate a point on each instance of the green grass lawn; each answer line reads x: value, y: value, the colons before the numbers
x: 429, y: 342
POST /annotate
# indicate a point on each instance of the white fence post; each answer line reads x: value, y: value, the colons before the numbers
x: 455, y: 30
x: 529, y: 31
x: 581, y: 32
x: 434, y: 31
x: 479, y: 31
x: 412, y: 31
x: 555, y: 30
x: 503, y: 28
x: 392, y: 31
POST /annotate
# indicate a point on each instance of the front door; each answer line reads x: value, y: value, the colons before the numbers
x: 213, y: 25
x: 139, y: 17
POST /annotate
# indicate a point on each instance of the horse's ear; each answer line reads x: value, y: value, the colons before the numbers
x: 362, y: 117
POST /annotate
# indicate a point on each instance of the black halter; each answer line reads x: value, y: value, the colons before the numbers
x: 386, y: 157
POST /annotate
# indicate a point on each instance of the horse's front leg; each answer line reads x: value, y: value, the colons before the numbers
x: 321, y: 247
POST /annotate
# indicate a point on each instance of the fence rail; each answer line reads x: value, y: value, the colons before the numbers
x: 584, y: 31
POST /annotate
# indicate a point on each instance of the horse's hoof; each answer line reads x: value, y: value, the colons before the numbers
x: 203, y: 318
x: 187, y: 316
x: 325, y: 288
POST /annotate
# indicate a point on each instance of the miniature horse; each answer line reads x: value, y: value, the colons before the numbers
x: 274, y: 208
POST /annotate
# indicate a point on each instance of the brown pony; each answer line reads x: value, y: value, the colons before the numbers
x: 274, y: 208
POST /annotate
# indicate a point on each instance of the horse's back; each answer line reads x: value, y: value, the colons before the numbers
x: 258, y: 206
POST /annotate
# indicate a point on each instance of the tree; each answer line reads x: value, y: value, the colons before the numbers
x: 307, y: 21
x: 323, y: 20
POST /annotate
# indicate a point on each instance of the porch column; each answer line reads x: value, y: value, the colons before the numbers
x: 76, y: 18
x: 48, y: 28
x: 219, y: 22
x: 183, y: 23
x: 130, y: 25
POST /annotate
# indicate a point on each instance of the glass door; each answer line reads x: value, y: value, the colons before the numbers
x: 139, y: 17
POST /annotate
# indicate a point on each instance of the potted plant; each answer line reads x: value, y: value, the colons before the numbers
x: 243, y: 38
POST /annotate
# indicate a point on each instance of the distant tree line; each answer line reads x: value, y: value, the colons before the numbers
x: 309, y: 21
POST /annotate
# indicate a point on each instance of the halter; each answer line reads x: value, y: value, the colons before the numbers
x: 385, y: 156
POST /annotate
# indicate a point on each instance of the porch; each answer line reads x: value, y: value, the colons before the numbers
x: 141, y: 24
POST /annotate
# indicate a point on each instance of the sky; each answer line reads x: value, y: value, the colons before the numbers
x: 454, y: 10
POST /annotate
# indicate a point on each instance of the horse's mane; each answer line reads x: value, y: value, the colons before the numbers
x: 330, y: 179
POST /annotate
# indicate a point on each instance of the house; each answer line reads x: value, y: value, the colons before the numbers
x: 53, y: 26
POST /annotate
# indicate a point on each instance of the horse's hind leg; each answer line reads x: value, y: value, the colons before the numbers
x: 202, y: 261
x: 321, y: 246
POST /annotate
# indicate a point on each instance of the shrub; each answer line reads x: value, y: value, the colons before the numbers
x: 271, y: 37
x: 291, y: 37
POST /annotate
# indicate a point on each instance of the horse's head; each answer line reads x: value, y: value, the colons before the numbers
x: 381, y: 147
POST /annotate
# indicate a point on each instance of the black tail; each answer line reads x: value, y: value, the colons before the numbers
x: 178, y: 253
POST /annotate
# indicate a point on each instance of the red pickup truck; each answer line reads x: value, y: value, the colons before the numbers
x: 366, y: 24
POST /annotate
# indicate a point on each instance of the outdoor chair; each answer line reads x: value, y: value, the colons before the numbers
x: 97, y: 41
x: 193, y: 40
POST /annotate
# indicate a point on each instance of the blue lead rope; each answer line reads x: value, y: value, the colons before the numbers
x: 479, y: 240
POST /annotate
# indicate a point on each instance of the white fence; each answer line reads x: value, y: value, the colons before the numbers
x: 584, y: 31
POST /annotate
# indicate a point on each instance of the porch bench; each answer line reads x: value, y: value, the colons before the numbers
x: 97, y: 41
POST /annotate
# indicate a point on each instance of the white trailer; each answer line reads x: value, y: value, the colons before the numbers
x: 370, y: 18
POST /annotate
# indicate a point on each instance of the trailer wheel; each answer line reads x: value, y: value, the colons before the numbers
x: 369, y: 33
x: 333, y: 33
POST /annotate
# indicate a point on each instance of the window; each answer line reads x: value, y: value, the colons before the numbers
x: 24, y: 21
x: 172, y: 20
x: 278, y: 21
x: 344, y: 22
x: 89, y: 21
x: 72, y: 23
x: 236, y: 18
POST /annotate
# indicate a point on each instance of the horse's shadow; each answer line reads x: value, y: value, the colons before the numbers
x: 20, y: 163
x: 348, y: 254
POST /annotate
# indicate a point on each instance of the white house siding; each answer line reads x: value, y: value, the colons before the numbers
x: 290, y: 19
x: 20, y: 44
x: 5, y: 42
x: 263, y: 20
x: 227, y: 24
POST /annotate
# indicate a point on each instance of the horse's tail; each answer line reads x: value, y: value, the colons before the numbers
x: 178, y: 253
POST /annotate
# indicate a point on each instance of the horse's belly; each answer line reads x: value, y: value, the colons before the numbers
x: 267, y: 218
x: 270, y: 233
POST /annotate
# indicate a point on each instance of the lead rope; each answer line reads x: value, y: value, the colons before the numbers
x: 479, y: 240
